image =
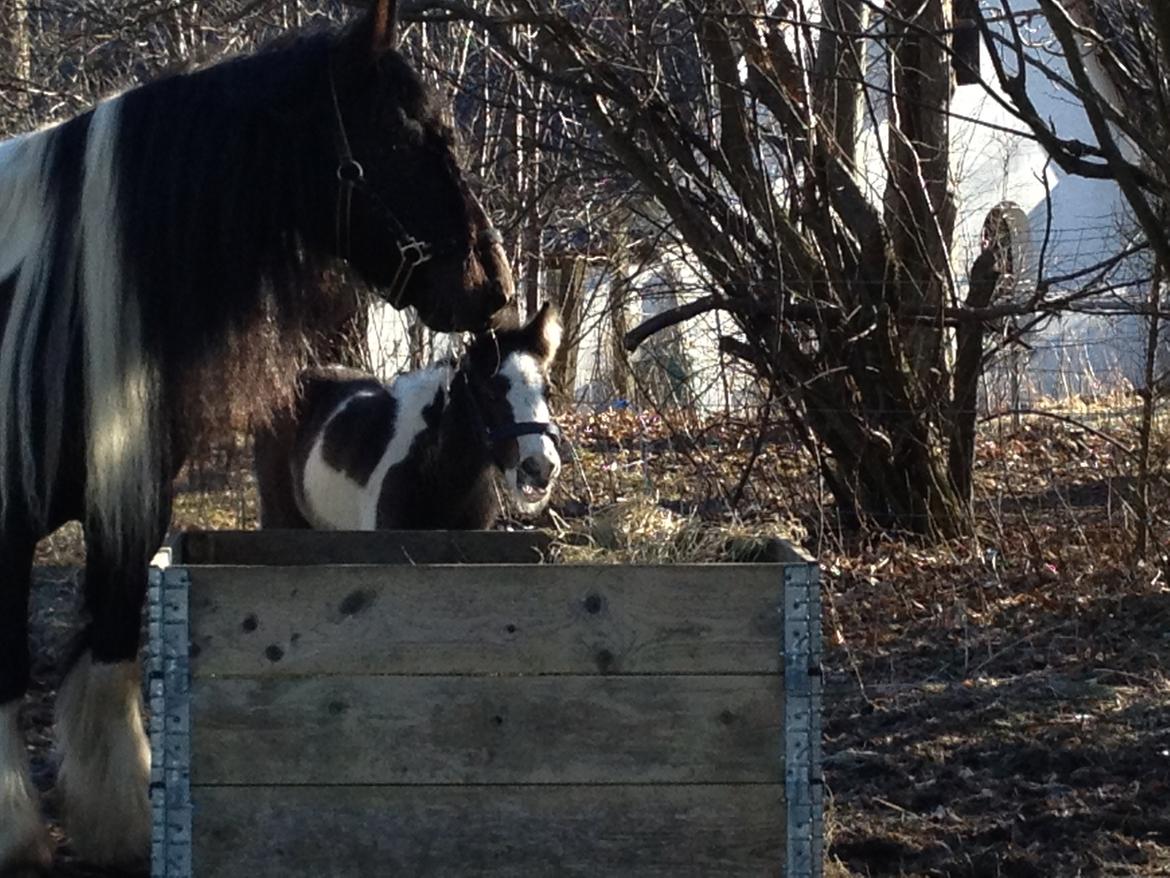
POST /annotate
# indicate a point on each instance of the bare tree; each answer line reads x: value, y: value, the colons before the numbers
x: 1114, y: 63
x: 730, y: 132
x: 739, y: 120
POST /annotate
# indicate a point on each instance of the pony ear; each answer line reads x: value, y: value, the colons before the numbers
x: 545, y: 331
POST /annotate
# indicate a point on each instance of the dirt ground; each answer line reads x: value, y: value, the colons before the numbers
x: 1044, y: 753
x: 995, y: 708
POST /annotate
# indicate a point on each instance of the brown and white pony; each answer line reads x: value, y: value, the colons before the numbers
x: 148, y: 247
x: 425, y: 451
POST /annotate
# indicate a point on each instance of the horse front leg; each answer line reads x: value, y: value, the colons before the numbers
x: 24, y: 845
x: 104, y: 773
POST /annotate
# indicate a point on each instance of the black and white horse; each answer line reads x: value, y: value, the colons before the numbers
x: 143, y: 246
x: 422, y: 452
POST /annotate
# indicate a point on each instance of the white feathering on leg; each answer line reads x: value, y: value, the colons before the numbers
x: 23, y: 840
x: 105, y: 762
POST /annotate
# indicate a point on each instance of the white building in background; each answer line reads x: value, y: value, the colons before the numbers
x: 1050, y: 223
x: 1054, y: 223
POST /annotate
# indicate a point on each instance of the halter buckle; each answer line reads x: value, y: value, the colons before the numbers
x: 414, y: 253
x: 350, y: 170
x: 417, y: 251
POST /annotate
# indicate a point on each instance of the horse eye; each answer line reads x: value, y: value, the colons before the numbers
x: 413, y: 132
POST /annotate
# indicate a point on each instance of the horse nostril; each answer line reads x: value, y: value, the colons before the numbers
x: 538, y: 472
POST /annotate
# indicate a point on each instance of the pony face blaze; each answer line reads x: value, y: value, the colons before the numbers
x: 538, y: 463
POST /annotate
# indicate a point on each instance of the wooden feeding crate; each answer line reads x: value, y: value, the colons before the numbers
x: 415, y: 704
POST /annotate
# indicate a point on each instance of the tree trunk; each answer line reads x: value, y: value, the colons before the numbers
x: 839, y: 71
x: 418, y: 354
x: 621, y: 376
x: 17, y: 54
x: 920, y: 212
x: 568, y: 295
x: 1149, y: 399
x: 968, y: 371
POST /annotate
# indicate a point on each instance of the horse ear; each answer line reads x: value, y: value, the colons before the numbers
x: 384, y: 33
x: 375, y: 33
x: 545, y: 331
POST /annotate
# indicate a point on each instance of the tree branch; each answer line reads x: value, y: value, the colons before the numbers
x: 671, y: 317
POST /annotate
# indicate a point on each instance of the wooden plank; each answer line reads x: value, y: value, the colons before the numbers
x: 493, y: 619
x: 288, y: 547
x: 476, y: 730
x: 502, y: 832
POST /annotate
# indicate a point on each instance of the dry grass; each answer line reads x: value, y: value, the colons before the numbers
x: 639, y: 530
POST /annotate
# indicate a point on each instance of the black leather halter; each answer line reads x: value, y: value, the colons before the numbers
x: 517, y: 429
x: 351, y: 177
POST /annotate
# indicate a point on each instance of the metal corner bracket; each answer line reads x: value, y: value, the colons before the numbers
x: 170, y: 723
x: 803, y: 779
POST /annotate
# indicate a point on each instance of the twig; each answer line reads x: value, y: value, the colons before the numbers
x: 1067, y: 419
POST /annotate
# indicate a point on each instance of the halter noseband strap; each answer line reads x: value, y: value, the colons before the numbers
x: 352, y: 176
x: 515, y: 430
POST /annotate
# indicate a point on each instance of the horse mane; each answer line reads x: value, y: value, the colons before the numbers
x: 262, y: 124
x: 217, y: 224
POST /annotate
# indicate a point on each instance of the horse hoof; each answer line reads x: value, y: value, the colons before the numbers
x: 105, y: 764
x: 33, y: 861
x: 118, y: 838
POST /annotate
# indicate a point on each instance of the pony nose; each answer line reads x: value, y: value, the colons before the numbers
x: 538, y: 470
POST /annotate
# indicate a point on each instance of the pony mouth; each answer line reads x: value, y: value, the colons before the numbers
x: 532, y: 493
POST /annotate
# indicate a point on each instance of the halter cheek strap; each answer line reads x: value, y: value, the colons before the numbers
x: 351, y: 176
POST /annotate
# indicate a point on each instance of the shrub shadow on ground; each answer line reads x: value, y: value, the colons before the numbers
x: 1052, y: 759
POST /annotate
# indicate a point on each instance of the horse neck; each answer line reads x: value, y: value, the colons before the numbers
x: 463, y: 457
x: 269, y: 148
